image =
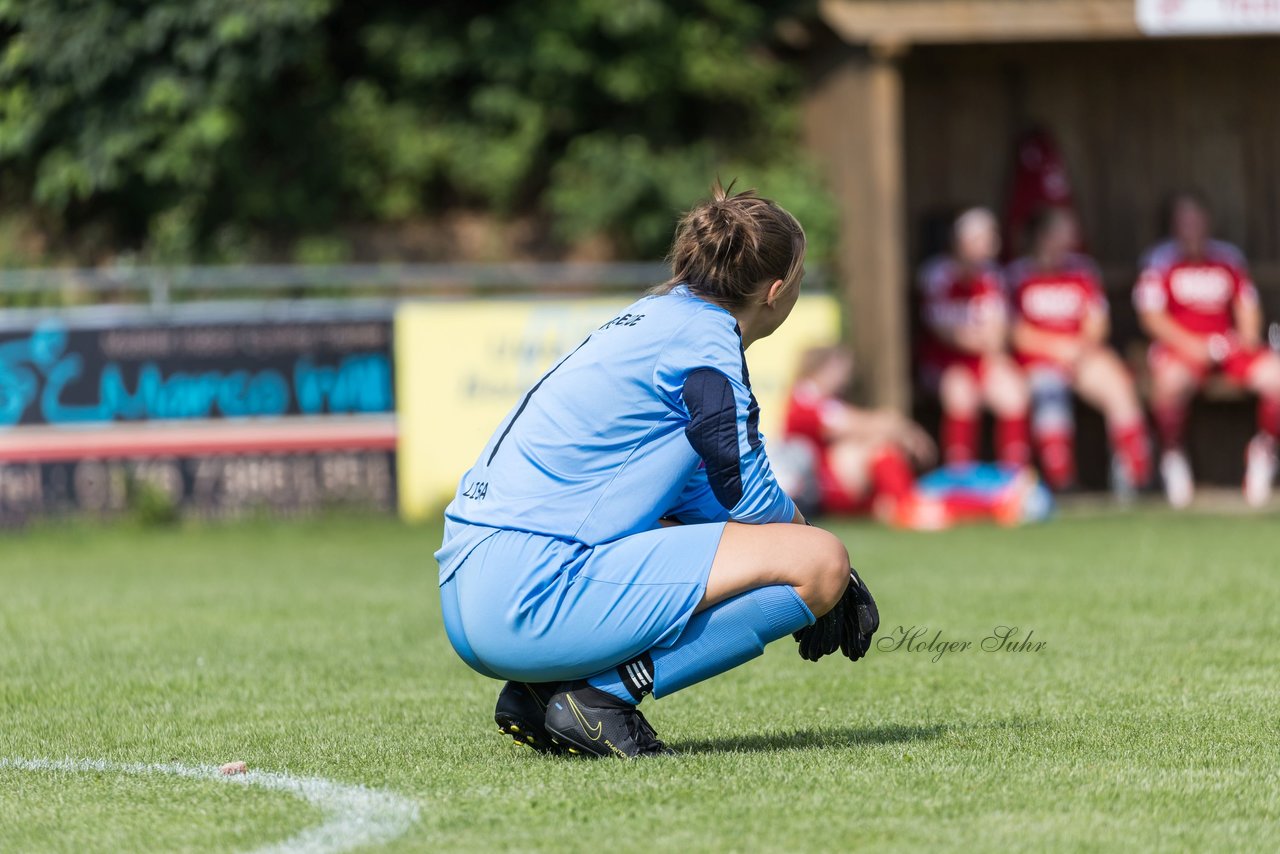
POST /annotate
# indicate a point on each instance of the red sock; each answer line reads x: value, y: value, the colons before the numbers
x: 1129, y: 441
x: 1269, y: 416
x: 959, y: 438
x: 1171, y: 423
x: 891, y: 474
x: 1057, y: 452
x: 1012, y: 445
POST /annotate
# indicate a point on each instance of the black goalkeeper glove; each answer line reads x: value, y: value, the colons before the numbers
x: 861, y: 618
x: 847, y: 627
x: 823, y: 637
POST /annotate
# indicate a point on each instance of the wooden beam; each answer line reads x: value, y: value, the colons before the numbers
x: 900, y: 22
x: 853, y: 118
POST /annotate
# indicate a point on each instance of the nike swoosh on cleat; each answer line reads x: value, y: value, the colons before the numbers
x: 592, y: 733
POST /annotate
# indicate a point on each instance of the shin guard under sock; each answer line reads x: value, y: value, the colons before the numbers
x: 1171, y: 423
x: 1057, y: 454
x: 1269, y: 416
x: 1129, y: 441
x: 959, y: 438
x: 1012, y: 445
x: 715, y: 640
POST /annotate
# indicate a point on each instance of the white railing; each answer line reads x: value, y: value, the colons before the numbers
x: 160, y: 286
x: 163, y: 285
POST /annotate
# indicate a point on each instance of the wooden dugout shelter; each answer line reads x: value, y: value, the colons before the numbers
x: 915, y: 105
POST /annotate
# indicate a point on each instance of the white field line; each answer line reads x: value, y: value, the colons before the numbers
x: 355, y: 816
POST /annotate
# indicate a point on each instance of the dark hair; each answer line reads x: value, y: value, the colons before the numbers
x: 727, y: 247
x: 1194, y: 195
x: 1041, y: 221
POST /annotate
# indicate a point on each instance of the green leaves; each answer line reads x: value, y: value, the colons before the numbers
x: 173, y: 121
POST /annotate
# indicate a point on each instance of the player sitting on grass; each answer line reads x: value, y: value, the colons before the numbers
x: 1060, y: 329
x: 560, y: 569
x: 856, y: 460
x: 865, y: 459
x: 1197, y: 302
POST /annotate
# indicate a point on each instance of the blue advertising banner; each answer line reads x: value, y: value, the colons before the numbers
x: 214, y: 416
x: 54, y: 374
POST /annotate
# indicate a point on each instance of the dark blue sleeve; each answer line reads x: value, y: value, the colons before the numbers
x: 713, y: 432
x: 722, y: 429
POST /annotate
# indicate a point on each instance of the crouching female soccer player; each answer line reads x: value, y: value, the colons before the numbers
x: 561, y: 570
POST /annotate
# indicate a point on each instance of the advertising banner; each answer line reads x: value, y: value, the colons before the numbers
x: 1208, y: 17
x: 462, y: 366
x: 206, y: 486
x: 215, y: 416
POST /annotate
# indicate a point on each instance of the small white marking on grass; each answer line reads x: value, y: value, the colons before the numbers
x: 354, y: 815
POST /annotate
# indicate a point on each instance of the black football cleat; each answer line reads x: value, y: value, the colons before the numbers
x: 587, y: 721
x: 521, y: 710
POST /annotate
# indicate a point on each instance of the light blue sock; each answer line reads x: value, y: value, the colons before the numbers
x: 715, y: 640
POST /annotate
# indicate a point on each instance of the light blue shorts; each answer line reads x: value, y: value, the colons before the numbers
x: 540, y: 609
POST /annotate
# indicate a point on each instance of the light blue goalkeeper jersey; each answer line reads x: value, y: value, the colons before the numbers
x: 651, y: 416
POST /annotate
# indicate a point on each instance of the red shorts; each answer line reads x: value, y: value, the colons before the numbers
x: 1235, y: 367
x: 1032, y: 364
x: 936, y: 359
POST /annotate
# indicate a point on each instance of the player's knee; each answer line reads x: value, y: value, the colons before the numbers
x: 1007, y: 392
x: 1169, y: 391
x: 828, y: 574
x: 1172, y: 384
x: 959, y: 392
x: 1266, y: 376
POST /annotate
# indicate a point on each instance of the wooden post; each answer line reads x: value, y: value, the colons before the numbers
x: 853, y: 119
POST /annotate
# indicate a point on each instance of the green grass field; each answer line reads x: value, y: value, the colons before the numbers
x: 1147, y: 721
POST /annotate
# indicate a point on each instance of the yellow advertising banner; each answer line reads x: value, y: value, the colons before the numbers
x: 461, y: 366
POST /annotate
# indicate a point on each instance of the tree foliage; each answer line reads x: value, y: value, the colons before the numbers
x: 193, y: 128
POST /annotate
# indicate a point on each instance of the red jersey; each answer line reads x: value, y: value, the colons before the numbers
x: 954, y: 296
x: 809, y: 414
x: 1198, y: 294
x: 1058, y: 300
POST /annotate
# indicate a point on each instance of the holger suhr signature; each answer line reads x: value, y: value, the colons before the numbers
x: 924, y: 640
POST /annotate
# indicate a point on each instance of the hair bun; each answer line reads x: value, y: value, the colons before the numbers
x: 731, y: 245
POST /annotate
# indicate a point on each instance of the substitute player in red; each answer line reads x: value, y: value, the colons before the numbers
x: 1060, y: 327
x: 964, y: 356
x: 864, y: 459
x: 1197, y: 302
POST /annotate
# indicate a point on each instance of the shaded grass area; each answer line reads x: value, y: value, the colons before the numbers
x: 1147, y: 719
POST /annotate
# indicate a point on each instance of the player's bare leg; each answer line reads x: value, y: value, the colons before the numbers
x: 884, y: 471
x: 1102, y: 380
x: 1005, y: 391
x: 1260, y: 458
x: 812, y: 561
x: 1172, y: 386
x: 851, y: 464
